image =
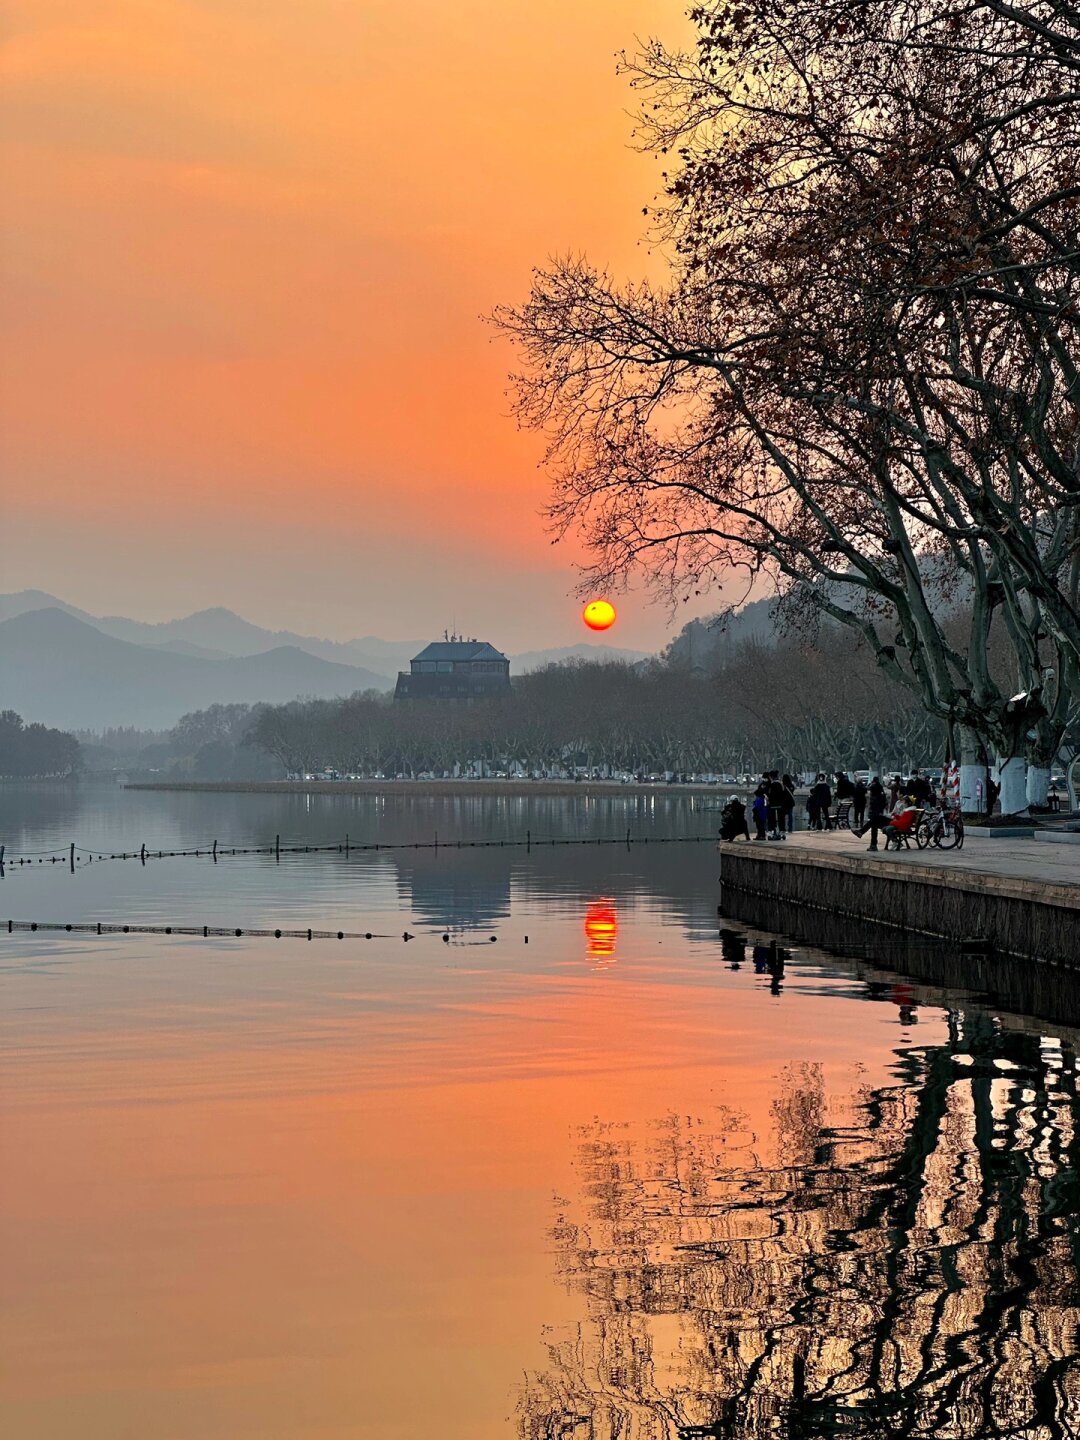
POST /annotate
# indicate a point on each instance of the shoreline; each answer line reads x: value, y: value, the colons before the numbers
x: 591, y: 789
x: 1013, y: 900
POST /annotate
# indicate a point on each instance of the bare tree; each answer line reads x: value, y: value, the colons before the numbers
x: 860, y: 379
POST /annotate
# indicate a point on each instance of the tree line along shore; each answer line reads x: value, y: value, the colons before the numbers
x: 517, y: 786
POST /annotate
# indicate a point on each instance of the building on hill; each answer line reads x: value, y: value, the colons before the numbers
x: 455, y: 670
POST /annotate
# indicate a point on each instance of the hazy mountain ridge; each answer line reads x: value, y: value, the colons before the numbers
x: 219, y: 633
x: 64, y: 671
x: 610, y: 654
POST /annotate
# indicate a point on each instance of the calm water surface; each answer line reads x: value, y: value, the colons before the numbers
x: 632, y: 1177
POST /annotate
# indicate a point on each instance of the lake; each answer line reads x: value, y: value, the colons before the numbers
x: 578, y: 1160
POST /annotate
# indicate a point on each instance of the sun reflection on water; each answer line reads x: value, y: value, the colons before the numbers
x: 601, y: 932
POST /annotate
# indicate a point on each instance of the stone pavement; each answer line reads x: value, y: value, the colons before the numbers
x: 1030, y: 860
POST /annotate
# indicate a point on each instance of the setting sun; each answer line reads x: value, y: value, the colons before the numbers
x: 599, y: 615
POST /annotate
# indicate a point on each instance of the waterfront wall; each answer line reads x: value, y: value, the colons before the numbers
x: 1011, y: 916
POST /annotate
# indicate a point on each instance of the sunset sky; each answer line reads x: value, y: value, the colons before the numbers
x: 247, y: 245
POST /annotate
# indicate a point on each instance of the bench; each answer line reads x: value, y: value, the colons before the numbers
x: 840, y: 818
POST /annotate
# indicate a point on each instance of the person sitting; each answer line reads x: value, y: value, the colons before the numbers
x: 733, y: 820
x: 901, y: 824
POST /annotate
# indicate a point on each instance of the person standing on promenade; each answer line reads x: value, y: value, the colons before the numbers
x: 822, y: 798
x: 789, y: 804
x: 858, y: 804
x: 760, y: 809
x: 844, y: 789
x: 878, y: 804
x: 919, y: 788
x: 776, y: 799
x: 811, y: 811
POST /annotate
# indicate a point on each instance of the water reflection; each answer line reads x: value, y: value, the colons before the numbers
x: 452, y: 891
x: 442, y: 886
x: 601, y: 931
x: 907, y: 1268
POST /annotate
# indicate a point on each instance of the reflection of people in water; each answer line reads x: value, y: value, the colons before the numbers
x: 601, y: 930
x: 904, y: 998
x: 907, y: 1269
x: 733, y: 948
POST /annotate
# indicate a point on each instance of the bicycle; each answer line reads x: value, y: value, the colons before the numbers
x: 943, y: 828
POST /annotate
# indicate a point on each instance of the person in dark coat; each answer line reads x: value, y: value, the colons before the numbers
x: 733, y: 820
x: 858, y: 804
x: 919, y: 788
x: 877, y: 802
x: 760, y: 809
x: 822, y: 798
x: 789, y: 804
x: 777, y: 800
x: 843, y: 789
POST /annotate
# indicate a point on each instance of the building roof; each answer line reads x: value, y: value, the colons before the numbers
x: 459, y: 650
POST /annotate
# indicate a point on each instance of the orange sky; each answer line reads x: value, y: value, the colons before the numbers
x: 246, y: 247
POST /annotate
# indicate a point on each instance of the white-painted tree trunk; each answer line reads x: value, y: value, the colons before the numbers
x: 973, y: 775
x: 1013, y: 785
x: 1038, y: 784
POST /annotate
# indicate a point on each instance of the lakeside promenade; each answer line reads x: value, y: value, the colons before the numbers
x: 1044, y: 861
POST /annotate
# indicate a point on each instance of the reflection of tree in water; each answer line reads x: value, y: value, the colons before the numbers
x: 909, y: 1269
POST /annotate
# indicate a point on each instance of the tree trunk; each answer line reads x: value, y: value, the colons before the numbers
x: 1038, y: 781
x: 1045, y: 737
x: 1013, y: 776
x: 972, y: 773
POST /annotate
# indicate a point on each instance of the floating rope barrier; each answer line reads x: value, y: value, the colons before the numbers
x: 74, y: 855
x: 206, y: 932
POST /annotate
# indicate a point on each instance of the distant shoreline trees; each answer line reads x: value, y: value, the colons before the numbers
x: 203, y: 745
x: 728, y: 697
x: 32, y: 752
x: 759, y: 704
x: 862, y: 380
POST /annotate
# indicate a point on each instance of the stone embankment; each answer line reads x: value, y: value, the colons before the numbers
x: 1002, y: 898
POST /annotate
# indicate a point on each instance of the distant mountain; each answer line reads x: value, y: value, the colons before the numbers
x: 534, y: 659
x: 65, y: 671
x: 710, y: 643
x: 216, y: 633
x: 24, y: 600
x: 185, y: 647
